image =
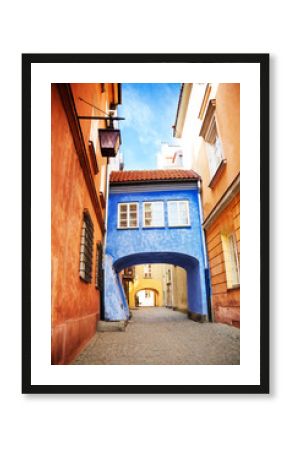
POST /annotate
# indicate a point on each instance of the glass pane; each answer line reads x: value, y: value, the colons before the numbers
x: 153, y: 214
x: 218, y: 148
x: 123, y: 215
x: 133, y: 208
x: 123, y: 223
x: 148, y: 214
x: 233, y: 261
x: 158, y: 214
x: 183, y: 216
x: 172, y: 213
x: 133, y: 222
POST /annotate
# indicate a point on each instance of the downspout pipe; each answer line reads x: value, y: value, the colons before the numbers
x: 206, y: 264
x: 201, y: 221
x: 107, y: 175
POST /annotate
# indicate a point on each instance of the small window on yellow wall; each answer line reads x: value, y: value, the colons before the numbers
x: 231, y: 260
x: 213, y: 143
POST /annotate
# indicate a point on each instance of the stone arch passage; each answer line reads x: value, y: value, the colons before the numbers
x: 149, y: 285
x: 196, y: 298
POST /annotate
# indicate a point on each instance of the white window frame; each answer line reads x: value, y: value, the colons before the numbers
x: 163, y: 220
x: 231, y: 261
x: 188, y: 216
x: 214, y: 148
x: 128, y: 215
x: 215, y: 154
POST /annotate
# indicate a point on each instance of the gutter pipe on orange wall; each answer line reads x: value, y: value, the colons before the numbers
x: 201, y: 219
x: 206, y: 264
x: 105, y: 237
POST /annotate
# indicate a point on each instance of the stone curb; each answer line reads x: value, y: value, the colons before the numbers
x: 103, y: 326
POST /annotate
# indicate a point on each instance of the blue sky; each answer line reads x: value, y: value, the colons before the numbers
x: 149, y: 110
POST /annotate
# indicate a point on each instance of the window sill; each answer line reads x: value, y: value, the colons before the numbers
x: 233, y: 288
x: 218, y: 172
x: 179, y: 226
x: 128, y: 228
x: 153, y: 226
x: 85, y: 280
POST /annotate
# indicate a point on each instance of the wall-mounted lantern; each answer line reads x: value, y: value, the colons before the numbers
x: 109, y: 137
x: 110, y: 140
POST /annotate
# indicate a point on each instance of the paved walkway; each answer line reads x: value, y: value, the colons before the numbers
x: 163, y: 336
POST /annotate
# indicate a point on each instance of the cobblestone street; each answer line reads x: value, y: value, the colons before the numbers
x: 163, y: 336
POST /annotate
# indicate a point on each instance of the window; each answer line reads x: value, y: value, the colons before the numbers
x: 128, y: 215
x: 168, y: 276
x: 213, y: 143
x: 153, y: 214
x: 231, y: 260
x: 147, y: 271
x: 129, y: 273
x: 86, y: 250
x: 178, y: 213
x: 214, y: 150
x: 99, y: 266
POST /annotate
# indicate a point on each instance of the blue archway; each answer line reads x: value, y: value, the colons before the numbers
x: 180, y: 245
x: 187, y: 262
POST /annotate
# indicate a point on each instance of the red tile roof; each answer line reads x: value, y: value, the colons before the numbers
x: 139, y: 176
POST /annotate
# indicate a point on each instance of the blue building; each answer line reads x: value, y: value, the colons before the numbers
x: 154, y: 216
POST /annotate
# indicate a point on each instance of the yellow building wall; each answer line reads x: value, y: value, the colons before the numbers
x: 179, y: 288
x: 145, y: 283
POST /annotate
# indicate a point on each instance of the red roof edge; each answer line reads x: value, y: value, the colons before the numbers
x: 153, y: 176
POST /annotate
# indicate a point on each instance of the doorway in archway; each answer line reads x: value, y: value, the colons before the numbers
x: 146, y: 298
x: 156, y: 285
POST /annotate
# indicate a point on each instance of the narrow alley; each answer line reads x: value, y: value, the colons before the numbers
x: 145, y: 223
x: 163, y: 336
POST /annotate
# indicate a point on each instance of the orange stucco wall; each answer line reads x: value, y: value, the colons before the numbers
x: 225, y: 302
x: 75, y: 304
x: 228, y: 125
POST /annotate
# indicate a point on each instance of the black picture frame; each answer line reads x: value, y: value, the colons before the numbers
x: 263, y: 61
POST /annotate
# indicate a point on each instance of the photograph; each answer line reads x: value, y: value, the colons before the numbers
x: 143, y: 206
x: 145, y: 234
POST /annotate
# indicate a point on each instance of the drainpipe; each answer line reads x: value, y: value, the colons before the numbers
x: 102, y: 312
x: 202, y: 231
x: 107, y: 178
x: 206, y: 264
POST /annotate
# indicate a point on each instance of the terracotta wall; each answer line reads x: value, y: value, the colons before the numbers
x: 75, y: 303
x: 225, y: 302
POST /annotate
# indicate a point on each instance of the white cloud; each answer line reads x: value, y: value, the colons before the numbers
x: 139, y: 116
